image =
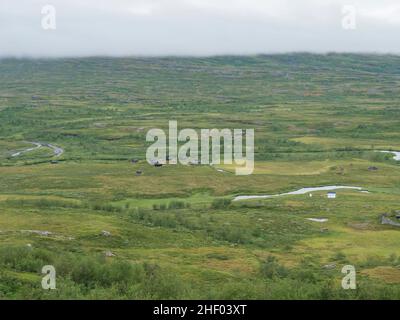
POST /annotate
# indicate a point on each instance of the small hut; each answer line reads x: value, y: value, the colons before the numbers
x: 331, y: 195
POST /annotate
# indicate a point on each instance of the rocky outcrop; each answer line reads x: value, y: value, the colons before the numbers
x: 109, y: 254
x: 386, y: 220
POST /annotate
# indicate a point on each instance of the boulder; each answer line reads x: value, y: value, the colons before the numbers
x: 105, y: 233
x: 109, y: 254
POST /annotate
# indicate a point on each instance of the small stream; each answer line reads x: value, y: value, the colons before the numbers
x: 396, y: 154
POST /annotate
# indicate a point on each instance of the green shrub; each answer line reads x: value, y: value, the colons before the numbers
x: 270, y: 268
x: 175, y: 204
x: 221, y: 203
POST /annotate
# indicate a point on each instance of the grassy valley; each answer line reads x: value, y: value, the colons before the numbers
x: 175, y: 232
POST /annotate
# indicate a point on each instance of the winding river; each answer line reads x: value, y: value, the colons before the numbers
x: 57, y: 150
x: 296, y: 192
x: 38, y: 145
x: 396, y: 156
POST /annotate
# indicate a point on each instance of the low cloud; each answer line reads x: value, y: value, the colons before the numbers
x: 196, y: 27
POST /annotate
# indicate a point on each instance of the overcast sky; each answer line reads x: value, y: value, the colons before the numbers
x: 197, y: 27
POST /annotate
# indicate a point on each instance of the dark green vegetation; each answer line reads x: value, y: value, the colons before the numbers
x: 175, y: 231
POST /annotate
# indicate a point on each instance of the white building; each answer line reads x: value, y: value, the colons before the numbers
x: 331, y: 195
